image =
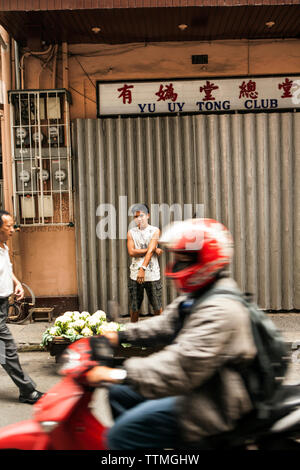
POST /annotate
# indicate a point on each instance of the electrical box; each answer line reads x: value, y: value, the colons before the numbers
x: 42, y: 159
x: 45, y: 205
x: 27, y: 207
x: 53, y: 107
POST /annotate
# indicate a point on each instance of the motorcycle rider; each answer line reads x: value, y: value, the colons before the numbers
x: 190, y: 389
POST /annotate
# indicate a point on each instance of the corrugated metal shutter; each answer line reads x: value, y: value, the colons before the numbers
x: 243, y: 168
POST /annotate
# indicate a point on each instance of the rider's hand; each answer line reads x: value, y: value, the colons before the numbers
x: 101, y: 374
x: 112, y: 336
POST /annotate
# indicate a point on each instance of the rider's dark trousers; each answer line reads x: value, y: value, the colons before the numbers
x: 141, y: 423
x: 9, y: 359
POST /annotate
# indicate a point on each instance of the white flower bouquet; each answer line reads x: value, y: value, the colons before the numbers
x: 75, y: 325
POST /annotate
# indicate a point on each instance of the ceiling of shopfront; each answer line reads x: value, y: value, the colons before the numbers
x: 116, y: 22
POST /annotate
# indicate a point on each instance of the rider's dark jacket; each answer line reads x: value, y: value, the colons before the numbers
x: 197, y: 362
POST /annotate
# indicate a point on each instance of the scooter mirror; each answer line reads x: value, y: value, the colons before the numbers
x: 101, y: 351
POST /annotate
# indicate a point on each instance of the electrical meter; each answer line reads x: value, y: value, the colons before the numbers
x: 37, y: 137
x: 44, y: 175
x: 21, y: 136
x: 59, y: 174
x: 55, y: 136
x: 26, y: 178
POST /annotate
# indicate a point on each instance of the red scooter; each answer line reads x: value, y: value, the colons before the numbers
x: 62, y: 419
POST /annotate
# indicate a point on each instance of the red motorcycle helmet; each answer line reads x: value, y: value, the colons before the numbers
x: 206, y: 248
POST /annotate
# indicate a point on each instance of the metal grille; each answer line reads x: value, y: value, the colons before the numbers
x: 243, y: 168
x: 40, y: 133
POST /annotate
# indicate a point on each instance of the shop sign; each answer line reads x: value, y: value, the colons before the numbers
x: 197, y: 96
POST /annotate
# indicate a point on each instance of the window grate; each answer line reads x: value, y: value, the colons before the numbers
x: 42, y: 176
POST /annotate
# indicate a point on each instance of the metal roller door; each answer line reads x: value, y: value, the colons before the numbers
x: 242, y: 168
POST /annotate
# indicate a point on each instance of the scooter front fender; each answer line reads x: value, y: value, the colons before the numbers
x: 26, y: 435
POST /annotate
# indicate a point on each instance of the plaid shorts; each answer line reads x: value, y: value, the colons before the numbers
x: 136, y: 294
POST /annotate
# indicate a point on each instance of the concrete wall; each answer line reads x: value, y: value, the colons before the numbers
x: 48, y: 258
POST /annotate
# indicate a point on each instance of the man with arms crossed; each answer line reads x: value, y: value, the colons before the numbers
x: 144, y: 270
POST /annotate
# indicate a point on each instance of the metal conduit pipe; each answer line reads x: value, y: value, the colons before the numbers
x: 6, y: 144
x: 17, y: 65
x: 26, y: 54
x: 5, y: 127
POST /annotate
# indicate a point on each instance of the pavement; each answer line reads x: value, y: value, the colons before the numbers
x: 28, y: 336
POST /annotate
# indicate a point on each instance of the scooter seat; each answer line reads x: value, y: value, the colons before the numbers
x: 287, y: 396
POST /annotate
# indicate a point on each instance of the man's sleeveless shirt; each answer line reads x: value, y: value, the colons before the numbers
x: 141, y: 240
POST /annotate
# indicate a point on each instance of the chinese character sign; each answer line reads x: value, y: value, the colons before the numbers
x: 198, y: 96
x: 208, y: 88
x: 286, y: 86
x: 126, y: 94
x: 248, y: 90
x: 166, y: 93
